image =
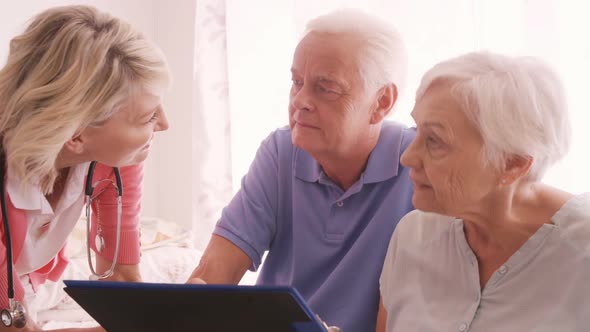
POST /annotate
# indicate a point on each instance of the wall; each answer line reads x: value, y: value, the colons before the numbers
x: 172, y: 192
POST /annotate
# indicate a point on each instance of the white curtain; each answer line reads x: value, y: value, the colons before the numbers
x: 247, y: 58
x: 212, y: 180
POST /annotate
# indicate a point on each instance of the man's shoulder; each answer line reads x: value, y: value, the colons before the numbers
x: 278, y: 142
x: 281, y: 136
x: 393, y: 127
x: 384, y: 162
x: 398, y: 134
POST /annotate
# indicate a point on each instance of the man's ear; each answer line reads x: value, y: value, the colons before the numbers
x: 75, y: 144
x: 516, y: 167
x: 386, y: 98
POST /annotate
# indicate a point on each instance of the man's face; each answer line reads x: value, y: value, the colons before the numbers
x: 330, y: 108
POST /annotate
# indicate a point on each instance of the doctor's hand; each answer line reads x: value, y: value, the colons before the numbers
x: 197, y: 281
x: 122, y: 272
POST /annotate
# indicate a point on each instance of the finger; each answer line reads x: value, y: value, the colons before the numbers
x: 197, y: 281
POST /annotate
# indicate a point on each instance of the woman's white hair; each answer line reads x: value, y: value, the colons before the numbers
x: 382, y: 56
x: 517, y: 103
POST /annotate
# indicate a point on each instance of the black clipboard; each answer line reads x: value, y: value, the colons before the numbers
x: 154, y: 307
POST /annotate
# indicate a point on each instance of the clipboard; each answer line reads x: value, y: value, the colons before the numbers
x: 156, y: 307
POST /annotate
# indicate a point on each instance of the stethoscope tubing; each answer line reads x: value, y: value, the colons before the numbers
x: 88, y: 190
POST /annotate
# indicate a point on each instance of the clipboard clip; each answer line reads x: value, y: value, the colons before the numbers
x: 328, y: 328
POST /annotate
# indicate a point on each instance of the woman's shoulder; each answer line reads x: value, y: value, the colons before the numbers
x: 573, y: 221
x: 422, y: 227
x: 104, y: 171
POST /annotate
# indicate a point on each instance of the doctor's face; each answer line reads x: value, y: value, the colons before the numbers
x: 126, y: 137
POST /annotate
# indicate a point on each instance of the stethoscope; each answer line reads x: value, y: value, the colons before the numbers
x: 15, y: 313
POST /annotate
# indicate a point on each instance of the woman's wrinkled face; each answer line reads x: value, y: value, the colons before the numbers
x: 125, y: 138
x: 447, y: 168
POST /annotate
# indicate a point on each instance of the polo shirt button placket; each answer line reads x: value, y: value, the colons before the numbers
x: 463, y: 327
x: 340, y: 204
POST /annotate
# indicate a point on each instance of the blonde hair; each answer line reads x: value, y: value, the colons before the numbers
x: 70, y: 69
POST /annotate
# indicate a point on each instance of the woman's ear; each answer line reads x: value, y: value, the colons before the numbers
x: 386, y: 98
x: 75, y: 144
x: 516, y: 167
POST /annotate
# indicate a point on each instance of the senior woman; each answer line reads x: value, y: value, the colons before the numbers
x: 490, y: 248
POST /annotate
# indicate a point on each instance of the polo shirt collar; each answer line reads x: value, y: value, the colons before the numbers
x: 382, y: 165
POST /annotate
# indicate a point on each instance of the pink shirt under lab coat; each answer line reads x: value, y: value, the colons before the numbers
x: 106, y: 202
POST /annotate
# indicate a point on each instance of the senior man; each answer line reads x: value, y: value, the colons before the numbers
x: 324, y: 195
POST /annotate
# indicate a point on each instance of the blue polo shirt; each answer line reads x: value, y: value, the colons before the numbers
x: 328, y: 243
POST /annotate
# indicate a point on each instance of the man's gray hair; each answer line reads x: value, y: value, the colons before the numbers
x: 382, y: 55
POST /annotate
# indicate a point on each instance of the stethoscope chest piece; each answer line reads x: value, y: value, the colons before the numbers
x: 99, y: 243
x: 15, y: 316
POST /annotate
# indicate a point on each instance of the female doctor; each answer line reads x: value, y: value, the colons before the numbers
x: 79, y: 87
